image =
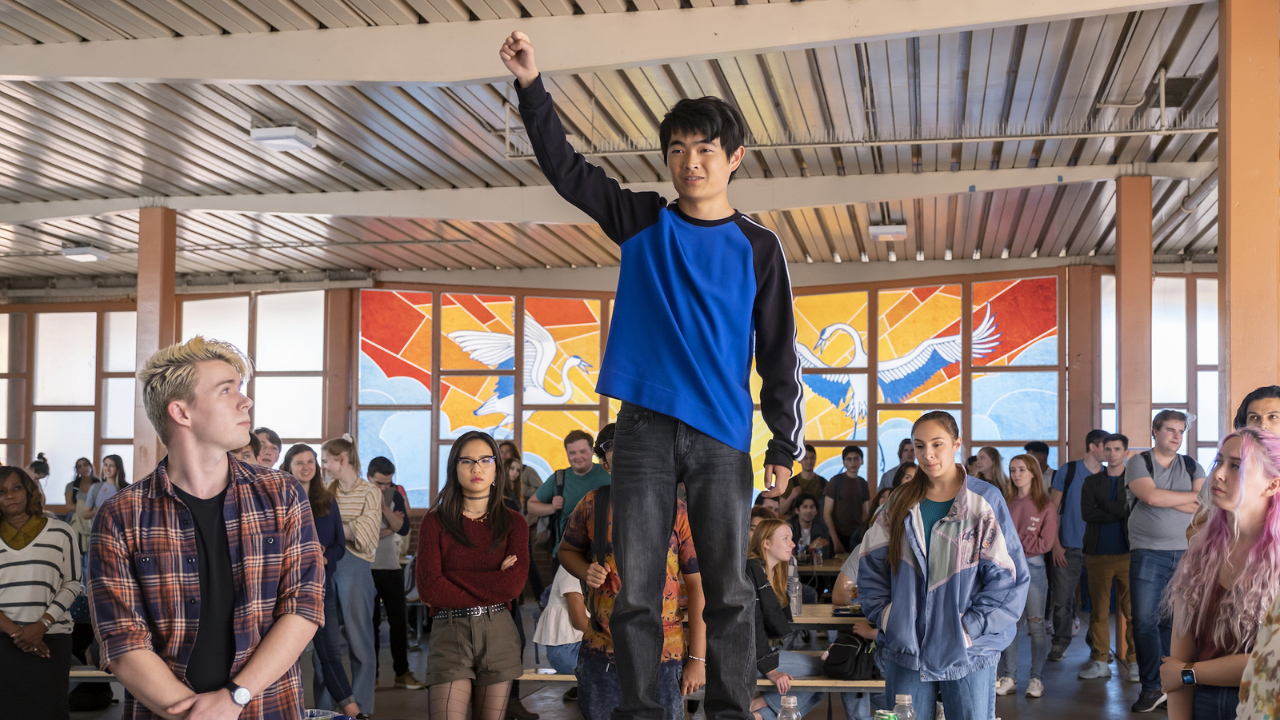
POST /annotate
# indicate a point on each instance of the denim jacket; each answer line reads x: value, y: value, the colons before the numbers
x: 969, y: 605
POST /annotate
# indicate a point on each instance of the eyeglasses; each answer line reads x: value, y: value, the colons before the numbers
x: 467, y: 463
x: 605, y: 446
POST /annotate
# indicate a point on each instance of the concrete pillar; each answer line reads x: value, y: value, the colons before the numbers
x: 1133, y: 307
x: 1248, y: 203
x: 157, y: 319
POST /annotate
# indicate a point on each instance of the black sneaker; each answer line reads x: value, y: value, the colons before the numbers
x: 1057, y: 653
x: 1149, y: 701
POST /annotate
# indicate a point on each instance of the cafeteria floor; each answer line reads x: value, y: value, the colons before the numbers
x: 1065, y: 697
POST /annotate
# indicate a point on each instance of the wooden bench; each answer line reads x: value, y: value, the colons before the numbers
x: 89, y: 673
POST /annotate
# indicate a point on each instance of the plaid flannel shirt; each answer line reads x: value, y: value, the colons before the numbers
x: 144, y: 583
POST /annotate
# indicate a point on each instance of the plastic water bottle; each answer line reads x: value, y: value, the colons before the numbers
x: 790, y: 709
x: 938, y: 714
x: 903, y: 709
x: 793, y: 589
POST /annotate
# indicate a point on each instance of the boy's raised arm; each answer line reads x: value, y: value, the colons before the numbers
x: 620, y: 213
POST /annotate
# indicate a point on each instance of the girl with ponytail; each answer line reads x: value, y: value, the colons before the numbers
x: 942, y: 575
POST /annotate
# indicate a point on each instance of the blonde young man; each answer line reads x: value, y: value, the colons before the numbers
x: 207, y: 581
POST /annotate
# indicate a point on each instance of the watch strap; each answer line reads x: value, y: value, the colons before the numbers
x: 237, y: 693
x: 1189, y: 674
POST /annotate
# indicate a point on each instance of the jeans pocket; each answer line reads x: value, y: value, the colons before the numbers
x: 632, y: 419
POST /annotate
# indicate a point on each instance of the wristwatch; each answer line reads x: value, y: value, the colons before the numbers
x: 48, y: 624
x: 240, y: 696
x: 1189, y: 674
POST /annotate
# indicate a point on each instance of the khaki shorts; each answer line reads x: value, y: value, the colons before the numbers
x: 483, y: 648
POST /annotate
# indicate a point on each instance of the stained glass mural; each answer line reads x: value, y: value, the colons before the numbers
x: 544, y: 433
x: 476, y: 334
x: 894, y: 427
x: 562, y: 351
x: 475, y: 402
x: 395, y: 348
x: 1014, y: 406
x: 919, y: 346
x: 403, y: 436
x: 831, y: 332
x: 1025, y: 315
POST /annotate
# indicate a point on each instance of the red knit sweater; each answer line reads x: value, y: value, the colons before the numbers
x: 452, y: 575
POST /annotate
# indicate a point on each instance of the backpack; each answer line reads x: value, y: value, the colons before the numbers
x: 1066, y: 485
x: 553, y: 520
x: 599, y: 543
x: 851, y: 658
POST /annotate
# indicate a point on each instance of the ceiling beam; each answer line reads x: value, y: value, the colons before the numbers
x: 541, y: 204
x: 464, y: 53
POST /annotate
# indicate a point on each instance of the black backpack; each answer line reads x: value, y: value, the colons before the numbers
x: 851, y: 658
x: 1066, y: 486
x: 1187, y: 462
x: 553, y: 521
x: 599, y: 544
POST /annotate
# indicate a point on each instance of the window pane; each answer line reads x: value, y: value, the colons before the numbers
x: 290, y: 331
x: 225, y: 319
x: 1108, y: 338
x: 1015, y: 406
x: 477, y: 402
x: 895, y: 426
x: 834, y: 327
x: 1009, y: 452
x: 66, y: 358
x: 1209, y: 423
x: 835, y: 406
x: 909, y: 370
x: 477, y: 332
x: 121, y: 342
x: 403, y: 436
x: 544, y: 433
x: 395, y: 348
x: 117, y: 408
x: 126, y: 456
x: 1169, y: 340
x: 8, y: 409
x: 1205, y: 454
x: 1109, y: 421
x: 1207, y: 321
x: 561, y: 351
x: 12, y: 454
x: 4, y: 342
x: 292, y: 406
x: 1021, y: 322
x: 831, y: 464
x: 63, y: 437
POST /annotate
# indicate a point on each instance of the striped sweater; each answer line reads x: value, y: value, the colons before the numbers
x: 361, y: 517
x: 42, y: 577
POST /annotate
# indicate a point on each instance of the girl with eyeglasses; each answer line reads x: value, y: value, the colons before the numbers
x: 473, y: 557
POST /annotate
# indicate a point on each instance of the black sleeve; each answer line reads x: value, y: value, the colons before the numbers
x: 781, y: 396
x: 620, y: 213
x: 398, y: 504
x: 1094, y: 508
x: 772, y: 621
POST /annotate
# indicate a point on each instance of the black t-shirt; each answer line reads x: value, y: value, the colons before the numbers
x: 215, y: 650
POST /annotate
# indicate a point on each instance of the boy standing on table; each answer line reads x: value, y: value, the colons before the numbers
x: 700, y: 288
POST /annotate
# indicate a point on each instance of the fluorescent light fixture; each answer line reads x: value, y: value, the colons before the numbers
x: 889, y: 233
x: 85, y: 253
x: 946, y: 254
x: 287, y: 138
x: 836, y: 256
x: 919, y: 256
x: 1004, y: 254
x: 1035, y: 252
x: 863, y: 257
x: 893, y: 256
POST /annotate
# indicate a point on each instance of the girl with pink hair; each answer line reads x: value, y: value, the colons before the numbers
x: 1226, y: 581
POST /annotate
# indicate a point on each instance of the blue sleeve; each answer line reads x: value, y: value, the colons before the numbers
x: 1003, y: 578
x: 1060, y: 477
x: 547, y: 491
x: 620, y: 213
x: 397, y: 504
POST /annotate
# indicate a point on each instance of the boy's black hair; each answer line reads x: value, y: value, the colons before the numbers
x: 255, y: 445
x: 809, y: 449
x: 1117, y: 437
x: 1096, y: 437
x: 381, y: 466
x: 806, y: 496
x: 606, y: 435
x: 852, y: 449
x: 1036, y: 446
x: 707, y: 117
x: 1263, y: 393
x: 271, y: 435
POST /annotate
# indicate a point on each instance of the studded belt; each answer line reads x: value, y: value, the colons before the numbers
x: 450, y: 614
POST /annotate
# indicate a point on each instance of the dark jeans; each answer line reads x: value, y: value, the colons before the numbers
x: 1215, y: 703
x: 1149, y: 574
x: 600, y: 694
x: 652, y: 453
x: 1063, y: 582
x: 327, y: 652
x: 390, y: 585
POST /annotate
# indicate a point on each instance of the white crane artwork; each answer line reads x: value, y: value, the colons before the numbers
x: 898, y: 378
x: 498, y: 351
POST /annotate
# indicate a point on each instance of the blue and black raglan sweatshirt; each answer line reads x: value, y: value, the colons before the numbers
x: 692, y: 297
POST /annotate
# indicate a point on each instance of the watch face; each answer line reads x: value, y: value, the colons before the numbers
x: 241, y: 696
x: 1188, y: 677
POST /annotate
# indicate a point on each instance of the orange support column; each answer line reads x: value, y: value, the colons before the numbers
x: 1248, y: 204
x: 157, y: 318
x: 1133, y: 307
x: 339, y: 376
x: 1082, y: 396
